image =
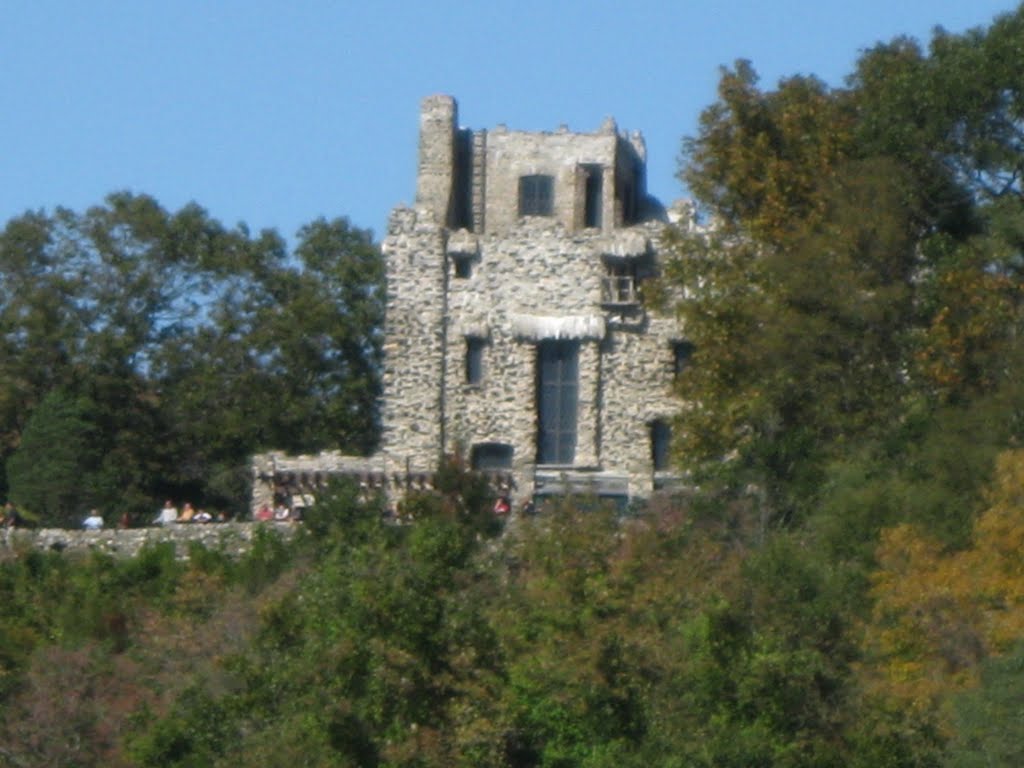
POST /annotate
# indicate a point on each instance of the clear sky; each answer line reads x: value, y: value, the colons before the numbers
x: 274, y: 113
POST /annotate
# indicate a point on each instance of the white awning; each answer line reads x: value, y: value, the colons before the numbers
x: 546, y: 327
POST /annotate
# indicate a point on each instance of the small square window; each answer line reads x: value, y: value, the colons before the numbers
x: 536, y: 195
x: 475, y: 359
x: 463, y: 267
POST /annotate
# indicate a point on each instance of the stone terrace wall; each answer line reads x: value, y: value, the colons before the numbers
x: 232, y: 538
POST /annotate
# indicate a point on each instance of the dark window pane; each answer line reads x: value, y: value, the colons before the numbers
x: 593, y: 197
x: 474, y: 359
x: 491, y: 456
x: 536, y: 195
x: 682, y: 351
x: 661, y: 440
x: 557, y: 385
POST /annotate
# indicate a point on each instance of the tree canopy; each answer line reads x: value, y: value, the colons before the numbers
x: 192, y: 346
x: 861, y: 261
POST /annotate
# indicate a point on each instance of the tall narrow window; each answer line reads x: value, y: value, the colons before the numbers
x: 557, y: 385
x: 592, y: 197
x: 475, y: 359
x: 536, y: 195
x: 661, y: 441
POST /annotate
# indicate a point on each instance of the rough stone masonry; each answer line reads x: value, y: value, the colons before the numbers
x: 515, y: 332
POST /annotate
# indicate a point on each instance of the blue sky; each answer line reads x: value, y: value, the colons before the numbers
x: 275, y: 113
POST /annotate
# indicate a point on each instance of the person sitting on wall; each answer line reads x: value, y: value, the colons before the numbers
x: 202, y: 516
x: 94, y: 522
x: 502, y: 506
x: 282, y: 513
x: 188, y: 512
x: 167, y: 514
x: 264, y: 513
x: 125, y: 521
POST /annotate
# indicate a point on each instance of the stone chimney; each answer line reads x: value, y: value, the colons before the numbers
x: 438, y: 116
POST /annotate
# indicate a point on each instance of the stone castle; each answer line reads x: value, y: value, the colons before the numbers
x: 515, y: 333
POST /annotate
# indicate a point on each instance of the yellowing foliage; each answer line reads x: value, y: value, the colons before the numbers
x: 938, y: 614
x: 977, y: 309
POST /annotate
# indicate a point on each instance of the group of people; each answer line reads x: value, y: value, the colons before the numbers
x: 503, y: 506
x: 95, y: 522
x: 10, y: 517
x: 280, y: 513
x: 169, y: 515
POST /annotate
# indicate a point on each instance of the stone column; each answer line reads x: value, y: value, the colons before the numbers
x: 588, y: 412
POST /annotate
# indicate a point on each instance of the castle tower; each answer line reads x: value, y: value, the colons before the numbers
x: 515, y: 330
x: 417, y: 283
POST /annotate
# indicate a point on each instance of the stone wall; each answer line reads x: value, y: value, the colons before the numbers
x: 414, y: 340
x: 232, y: 538
x: 511, y: 154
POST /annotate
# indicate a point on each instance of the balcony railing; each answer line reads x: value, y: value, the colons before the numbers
x: 619, y: 290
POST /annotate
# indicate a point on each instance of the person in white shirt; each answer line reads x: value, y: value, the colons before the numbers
x: 167, y: 514
x: 93, y: 522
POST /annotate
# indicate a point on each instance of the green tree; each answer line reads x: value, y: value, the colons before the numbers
x: 41, y: 326
x: 987, y: 718
x: 194, y: 345
x: 817, y: 325
x: 51, y: 473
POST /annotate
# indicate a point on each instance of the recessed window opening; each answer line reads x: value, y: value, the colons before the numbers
x: 461, y: 214
x: 463, y: 267
x: 620, y: 283
x: 661, y: 441
x: 627, y: 192
x: 475, y: 359
x: 592, y: 196
x: 491, y: 456
x: 536, y: 195
x: 557, y: 388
